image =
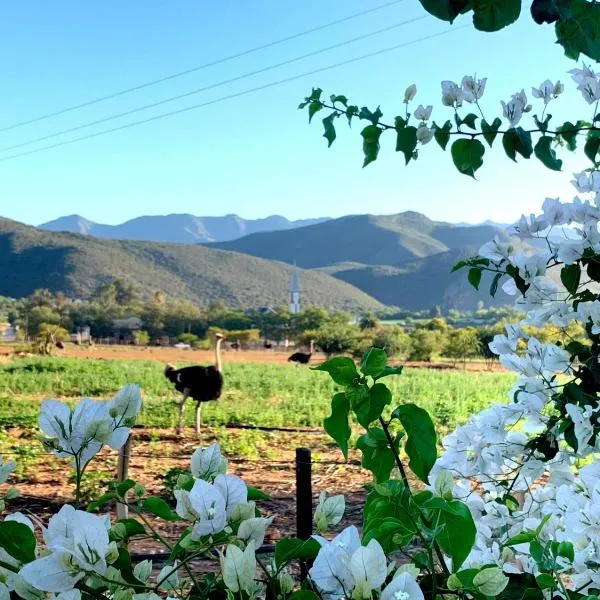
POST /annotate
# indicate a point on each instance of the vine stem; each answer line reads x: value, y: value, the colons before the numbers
x: 400, y: 466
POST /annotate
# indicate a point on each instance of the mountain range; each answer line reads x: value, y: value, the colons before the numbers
x: 176, y: 228
x: 31, y: 258
x: 356, y: 262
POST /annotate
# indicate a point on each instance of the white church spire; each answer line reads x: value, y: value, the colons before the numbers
x: 294, y: 303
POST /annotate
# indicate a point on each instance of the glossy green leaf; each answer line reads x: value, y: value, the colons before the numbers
x: 366, y: 114
x: 458, y: 535
x: 570, y: 276
x: 379, y: 397
x: 470, y: 120
x: 467, y: 155
x: 132, y: 527
x: 546, y: 581
x: 546, y: 155
x: 546, y: 11
x: 493, y: 15
x: 474, y: 277
x: 373, y: 362
x: 337, y: 425
x: 352, y: 111
x: 157, y: 506
x: 377, y: 456
x: 578, y: 29
x: 390, y: 371
x: 329, y: 133
x: 517, y: 141
x: 18, y: 540
x: 341, y: 99
x: 421, y: 444
x: 406, y: 142
x: 592, y: 145
x: 256, y: 494
x: 341, y: 369
x: 568, y: 132
x: 371, y: 135
x: 304, y: 595
x: 490, y: 131
x: 288, y: 549
x: 442, y: 134
x: 313, y: 109
x: 494, y: 285
x: 123, y: 487
x: 447, y: 10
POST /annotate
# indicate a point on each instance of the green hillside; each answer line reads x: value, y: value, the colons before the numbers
x: 363, y: 239
x: 31, y: 258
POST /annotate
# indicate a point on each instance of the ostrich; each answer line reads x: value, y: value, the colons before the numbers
x: 301, y: 358
x: 200, y: 383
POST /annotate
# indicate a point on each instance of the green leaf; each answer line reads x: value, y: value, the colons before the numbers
x: 568, y: 132
x: 132, y: 527
x: 566, y: 550
x: 543, y: 150
x: 390, y: 371
x: 366, y: 114
x: 351, y: 112
x: 102, y: 501
x: 379, y: 397
x: 158, y: 507
x: 467, y: 155
x: 421, y: 445
x: 313, y: 108
x: 490, y: 131
x: 256, y: 494
x: 370, y: 134
x: 592, y: 145
x: 341, y: 99
x: 288, y: 549
x: 341, y: 369
x: 494, y: 286
x: 373, y: 362
x: 123, y: 487
x: 18, y: 540
x: 304, y: 595
x: 517, y: 140
x: 377, y: 456
x: 459, y: 265
x: 493, y: 15
x: 521, y: 538
x: 406, y: 142
x: 329, y: 134
x: 458, y: 536
x: 337, y: 425
x: 578, y: 29
x: 546, y: 581
x: 474, y: 277
x: 545, y: 11
x: 442, y: 134
x: 447, y: 10
x: 570, y: 276
x: 470, y: 119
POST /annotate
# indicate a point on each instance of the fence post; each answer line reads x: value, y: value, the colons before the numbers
x: 304, y: 509
x: 123, y: 473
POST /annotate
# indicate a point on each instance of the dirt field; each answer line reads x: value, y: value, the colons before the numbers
x: 176, y: 355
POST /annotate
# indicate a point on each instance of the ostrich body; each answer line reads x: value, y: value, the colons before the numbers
x: 201, y: 383
x: 303, y: 358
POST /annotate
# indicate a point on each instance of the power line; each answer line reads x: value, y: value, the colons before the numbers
x: 236, y: 95
x: 212, y: 86
x: 201, y: 67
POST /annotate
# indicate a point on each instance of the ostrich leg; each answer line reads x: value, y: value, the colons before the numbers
x: 198, y: 417
x: 179, y: 428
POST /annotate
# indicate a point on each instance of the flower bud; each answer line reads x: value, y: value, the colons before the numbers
x: 410, y: 93
x: 113, y: 553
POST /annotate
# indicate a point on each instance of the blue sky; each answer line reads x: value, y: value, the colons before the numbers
x: 253, y: 155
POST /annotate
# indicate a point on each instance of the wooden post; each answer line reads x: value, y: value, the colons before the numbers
x: 304, y: 508
x: 123, y: 473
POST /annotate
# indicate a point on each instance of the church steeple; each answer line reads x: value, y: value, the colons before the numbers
x: 294, y: 302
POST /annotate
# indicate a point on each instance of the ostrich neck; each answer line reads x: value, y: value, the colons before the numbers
x: 218, y: 363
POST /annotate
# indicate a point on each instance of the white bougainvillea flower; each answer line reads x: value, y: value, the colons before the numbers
x: 233, y: 490
x: 78, y: 543
x: 254, y: 530
x: 473, y: 88
x: 583, y: 427
x: 239, y: 568
x: 423, y: 113
x: 329, y: 511
x: 83, y: 431
x: 514, y: 109
x: 403, y: 587
x: 424, y: 134
x: 496, y: 250
x: 452, y: 95
x: 587, y: 83
x: 548, y: 91
x: 203, y: 505
x: 368, y: 565
x: 207, y: 463
x: 410, y: 93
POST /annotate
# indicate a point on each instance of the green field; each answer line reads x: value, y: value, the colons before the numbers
x: 254, y: 394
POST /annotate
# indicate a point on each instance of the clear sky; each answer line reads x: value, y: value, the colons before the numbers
x: 253, y: 155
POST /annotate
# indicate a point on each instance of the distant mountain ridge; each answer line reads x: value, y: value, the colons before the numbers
x: 75, y: 264
x: 176, y: 228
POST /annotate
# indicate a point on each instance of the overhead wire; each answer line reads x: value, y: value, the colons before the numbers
x: 233, y: 95
x: 201, y: 67
x: 212, y: 86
